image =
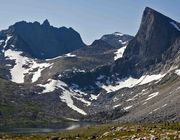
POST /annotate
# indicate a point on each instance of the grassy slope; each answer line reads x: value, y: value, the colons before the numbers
x: 109, y: 132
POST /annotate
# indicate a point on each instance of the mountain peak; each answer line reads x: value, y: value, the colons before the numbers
x: 154, y: 37
x: 153, y: 14
x: 46, y: 23
x: 98, y: 42
x: 150, y: 9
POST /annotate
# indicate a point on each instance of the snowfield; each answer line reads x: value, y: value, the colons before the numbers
x: 23, y: 65
x: 119, y: 53
x: 130, y: 82
x: 67, y: 95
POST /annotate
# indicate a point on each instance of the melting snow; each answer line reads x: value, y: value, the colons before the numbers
x: 70, y: 55
x: 158, y: 108
x: 19, y: 70
x: 123, y: 42
x: 144, y: 103
x: 116, y: 106
x: 119, y: 53
x: 149, y: 78
x: 177, y: 72
x: 41, y: 67
x: 66, y: 55
x: 128, y: 107
x: 143, y: 92
x: 66, y: 94
x: 54, y: 58
x: 164, y: 105
x: 49, y: 87
x: 175, y: 25
x: 94, y: 97
x: 130, y: 82
x: 71, y: 119
x: 152, y: 95
x: 8, y: 38
x: 66, y: 97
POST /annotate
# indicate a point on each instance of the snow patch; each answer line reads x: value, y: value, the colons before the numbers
x: 70, y: 55
x: 66, y: 96
x: 40, y: 67
x: 50, y: 86
x: 6, y: 42
x: 149, y: 78
x: 94, y: 97
x: 71, y: 119
x: 24, y: 65
x: 66, y: 55
x: 128, y: 107
x: 177, y: 72
x: 129, y: 82
x: 116, y: 106
x: 54, y: 58
x: 123, y: 42
x: 164, y: 105
x: 152, y: 95
x: 119, y: 53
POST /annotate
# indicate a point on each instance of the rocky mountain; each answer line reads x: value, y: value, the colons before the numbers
x: 20, y: 64
x: 117, y: 39
x: 41, y: 41
x: 149, y: 65
x: 135, y: 79
x: 27, y: 75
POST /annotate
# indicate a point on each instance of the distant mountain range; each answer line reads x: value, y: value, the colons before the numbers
x: 49, y: 75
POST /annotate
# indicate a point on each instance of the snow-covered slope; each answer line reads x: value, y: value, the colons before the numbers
x: 130, y: 82
x: 119, y: 53
x: 68, y: 94
x: 23, y: 65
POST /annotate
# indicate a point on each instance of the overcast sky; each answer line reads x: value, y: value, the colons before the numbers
x: 91, y: 18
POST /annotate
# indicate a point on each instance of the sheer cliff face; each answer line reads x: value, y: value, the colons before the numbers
x: 157, y: 41
x: 155, y: 36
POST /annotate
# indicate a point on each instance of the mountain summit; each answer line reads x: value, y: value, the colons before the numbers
x: 155, y: 36
x: 46, y: 23
x: 42, y: 41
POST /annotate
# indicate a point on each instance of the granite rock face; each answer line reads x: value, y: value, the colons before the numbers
x: 43, y: 41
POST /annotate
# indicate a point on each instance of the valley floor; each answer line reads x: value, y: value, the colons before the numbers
x: 165, y: 131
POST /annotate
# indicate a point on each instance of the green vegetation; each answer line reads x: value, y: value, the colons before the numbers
x: 165, y: 131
